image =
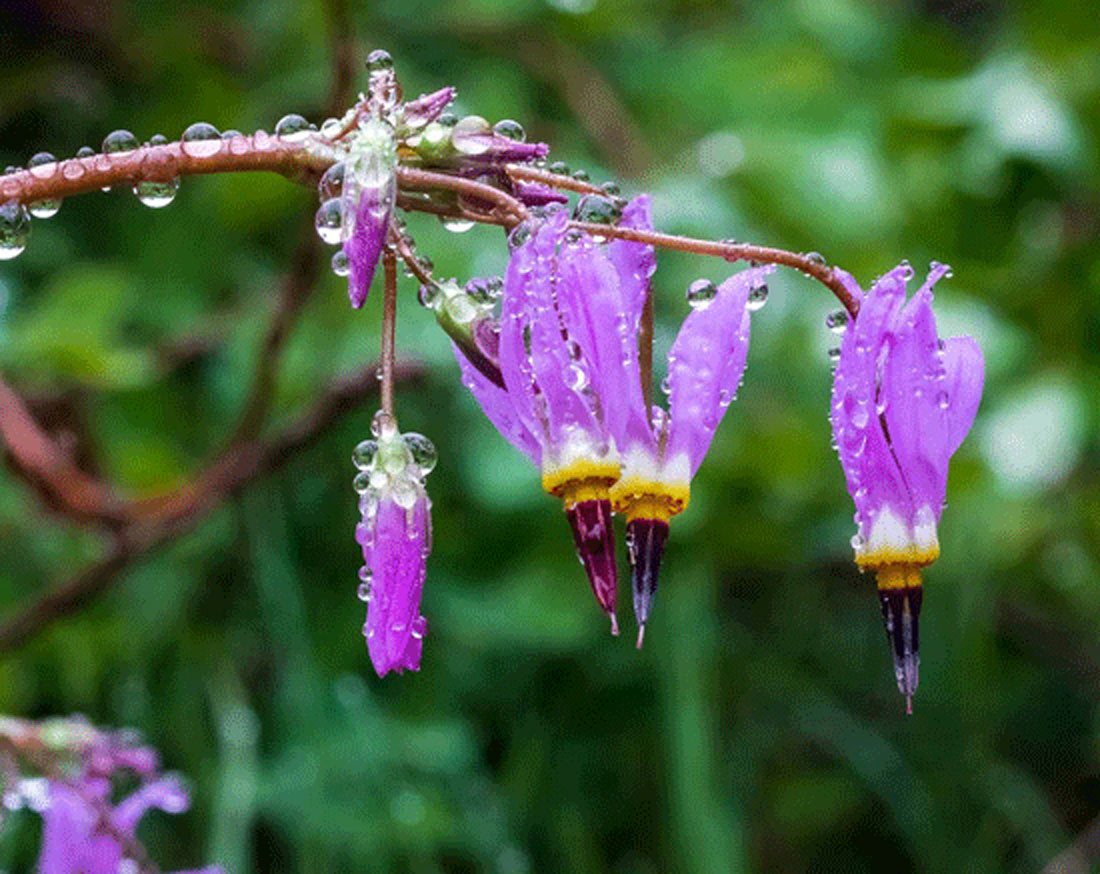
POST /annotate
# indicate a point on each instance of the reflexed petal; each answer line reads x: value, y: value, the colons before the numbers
x: 164, y: 794
x: 705, y: 366
x: 872, y: 474
x: 499, y: 409
x: 397, y: 559
x: 543, y: 360
x: 912, y: 386
x: 589, y: 298
x: 962, y: 358
x: 635, y: 262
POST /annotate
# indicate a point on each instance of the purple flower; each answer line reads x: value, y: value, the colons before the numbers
x: 84, y: 830
x: 476, y: 142
x: 395, y: 534
x: 661, y: 451
x: 559, y: 359
x: 903, y: 400
x: 369, y: 194
x: 83, y: 833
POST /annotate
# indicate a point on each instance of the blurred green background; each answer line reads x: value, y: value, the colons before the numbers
x: 760, y: 729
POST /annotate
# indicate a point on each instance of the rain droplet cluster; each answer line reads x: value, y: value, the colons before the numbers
x: 390, y: 466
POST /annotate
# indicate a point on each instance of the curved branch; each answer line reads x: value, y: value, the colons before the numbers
x: 251, y: 462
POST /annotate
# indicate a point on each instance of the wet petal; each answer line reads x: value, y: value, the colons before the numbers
x: 497, y: 405
x: 536, y: 193
x: 962, y: 358
x: 916, y: 415
x: 705, y: 366
x: 635, y: 262
x: 870, y: 469
x: 397, y: 560
x: 590, y: 300
x: 370, y: 189
x: 164, y: 794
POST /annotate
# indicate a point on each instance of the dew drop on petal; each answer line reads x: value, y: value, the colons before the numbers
x: 700, y: 293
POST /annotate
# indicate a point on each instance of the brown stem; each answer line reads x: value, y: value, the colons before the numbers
x: 731, y: 252
x: 426, y: 180
x: 389, y: 328
x: 554, y: 180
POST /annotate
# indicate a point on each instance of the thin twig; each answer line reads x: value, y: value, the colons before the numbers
x: 731, y: 252
x: 389, y: 328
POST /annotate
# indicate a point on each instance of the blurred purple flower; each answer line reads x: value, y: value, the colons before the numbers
x: 903, y: 401
x: 84, y: 831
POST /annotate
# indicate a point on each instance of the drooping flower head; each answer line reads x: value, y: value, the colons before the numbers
x: 395, y: 533
x: 561, y: 330
x: 661, y: 451
x: 903, y: 401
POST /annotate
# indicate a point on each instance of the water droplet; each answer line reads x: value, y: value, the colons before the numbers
x: 816, y: 258
x: 520, y: 235
x: 383, y: 425
x: 666, y: 386
x: 423, y: 451
x: 201, y: 140
x: 427, y: 294
x: 470, y: 135
x: 119, y: 142
x: 857, y: 542
x: 15, y: 228
x: 757, y: 298
x: 906, y: 270
x: 43, y: 165
x: 328, y: 221
x: 364, y: 454
x: 460, y: 307
x: 157, y: 194
x: 455, y: 225
x: 362, y: 592
x: 611, y: 189
x: 379, y: 61
x: 85, y: 152
x: 834, y: 354
x: 485, y: 291
x: 559, y: 168
x: 404, y: 494
x: 837, y: 321
x: 700, y: 293
x: 44, y: 209
x: 510, y: 129
x: 340, y: 264
x: 332, y: 183
x: 292, y: 127
x: 330, y: 127
x: 597, y: 209
x: 942, y: 400
x: 418, y: 628
x: 362, y: 483
x: 580, y: 175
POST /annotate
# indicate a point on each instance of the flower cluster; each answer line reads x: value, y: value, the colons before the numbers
x: 552, y: 354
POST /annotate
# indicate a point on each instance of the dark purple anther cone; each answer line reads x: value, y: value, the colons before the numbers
x: 901, y: 615
x: 594, y: 537
x: 646, y: 543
